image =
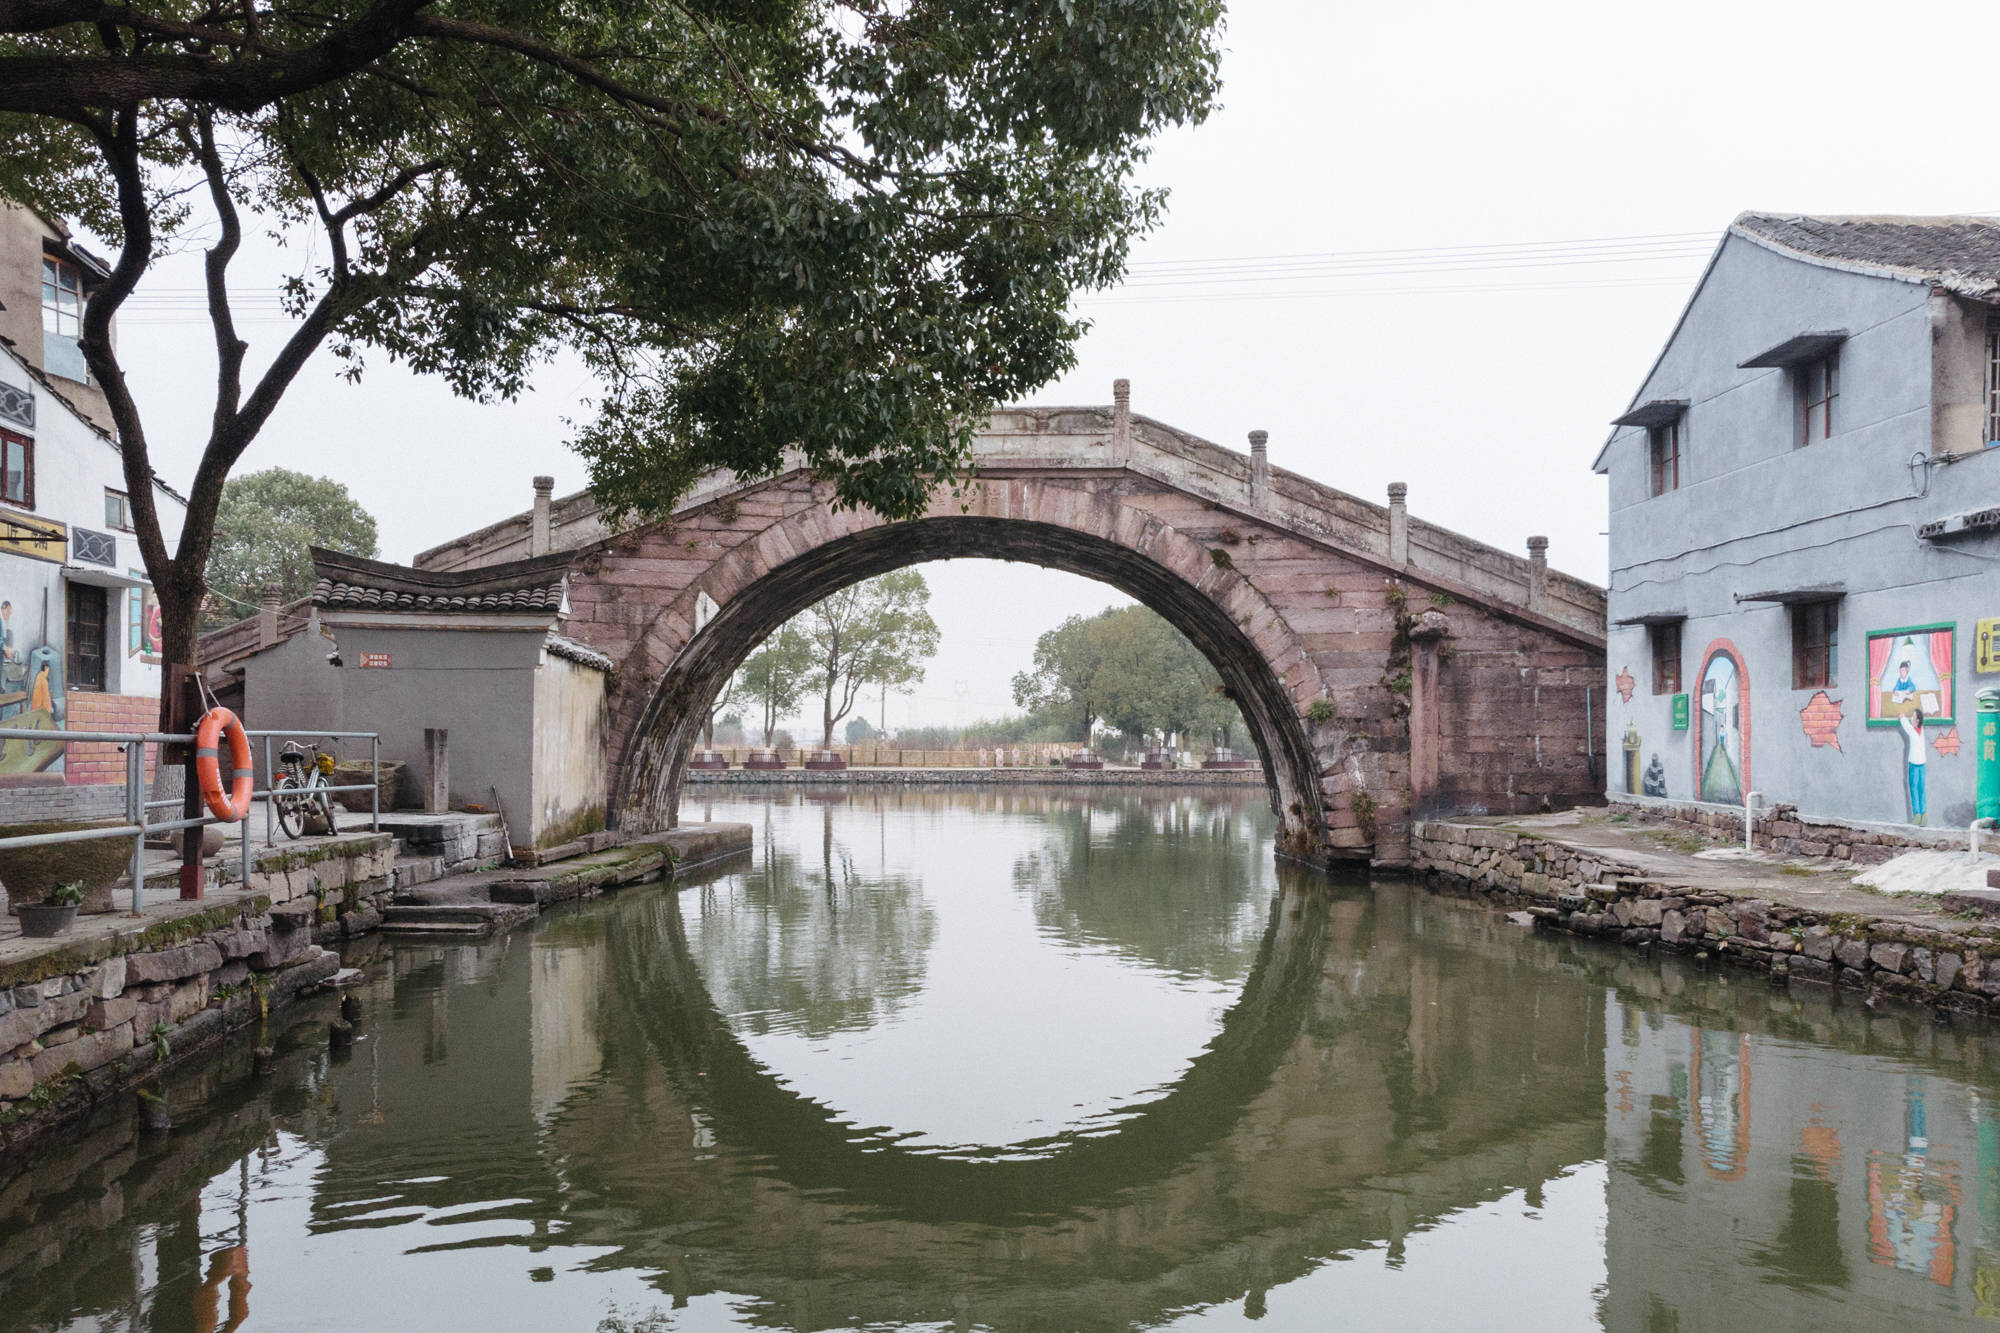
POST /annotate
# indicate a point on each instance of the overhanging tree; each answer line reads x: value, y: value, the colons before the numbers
x: 875, y: 632
x: 849, y: 226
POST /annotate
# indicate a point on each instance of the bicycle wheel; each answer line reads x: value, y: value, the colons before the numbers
x: 290, y: 799
x: 320, y: 800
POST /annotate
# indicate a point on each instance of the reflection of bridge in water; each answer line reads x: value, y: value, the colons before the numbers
x: 1306, y: 1128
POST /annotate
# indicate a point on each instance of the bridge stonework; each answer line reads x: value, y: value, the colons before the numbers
x: 1387, y: 668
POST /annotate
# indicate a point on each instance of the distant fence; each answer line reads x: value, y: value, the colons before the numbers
x: 868, y: 755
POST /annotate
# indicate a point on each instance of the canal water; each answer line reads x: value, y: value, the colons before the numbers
x: 1040, y: 1060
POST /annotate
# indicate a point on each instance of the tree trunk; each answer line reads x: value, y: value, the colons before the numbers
x: 180, y: 612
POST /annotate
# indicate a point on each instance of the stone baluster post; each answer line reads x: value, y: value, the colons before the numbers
x: 1121, y: 419
x: 1260, y: 466
x: 267, y: 614
x: 538, y: 527
x: 1426, y: 634
x: 1399, y: 524
x: 1538, y: 574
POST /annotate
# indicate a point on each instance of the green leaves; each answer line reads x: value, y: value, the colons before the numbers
x: 265, y: 522
x: 1130, y: 668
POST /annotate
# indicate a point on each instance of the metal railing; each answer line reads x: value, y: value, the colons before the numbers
x: 137, y: 807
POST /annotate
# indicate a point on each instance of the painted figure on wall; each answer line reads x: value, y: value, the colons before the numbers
x: 1911, y: 670
x: 1914, y: 761
x: 1656, y: 777
x: 1721, y: 777
x: 31, y: 695
x: 1633, y: 743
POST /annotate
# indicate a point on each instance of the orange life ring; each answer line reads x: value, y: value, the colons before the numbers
x: 217, y: 724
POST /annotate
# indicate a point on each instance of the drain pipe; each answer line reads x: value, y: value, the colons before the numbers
x: 1750, y: 799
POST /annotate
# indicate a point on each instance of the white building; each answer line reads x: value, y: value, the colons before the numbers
x: 79, y: 629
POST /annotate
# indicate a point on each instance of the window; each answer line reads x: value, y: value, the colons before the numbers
x: 17, y: 469
x: 118, y: 510
x: 62, y: 297
x: 1819, y: 385
x: 1665, y: 443
x: 1666, y: 640
x: 1815, y: 645
x: 86, y: 637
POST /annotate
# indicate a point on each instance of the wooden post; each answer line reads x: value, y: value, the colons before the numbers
x: 437, y: 770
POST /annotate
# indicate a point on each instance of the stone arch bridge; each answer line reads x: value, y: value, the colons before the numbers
x: 1386, y: 667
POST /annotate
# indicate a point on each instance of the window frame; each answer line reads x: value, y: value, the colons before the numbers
x: 1657, y: 460
x: 54, y: 311
x: 122, y: 523
x: 8, y: 439
x: 1827, y: 368
x: 1657, y: 633
x: 76, y: 677
x: 1815, y: 644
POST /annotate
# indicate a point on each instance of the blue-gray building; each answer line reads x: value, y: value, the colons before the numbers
x: 1805, y: 524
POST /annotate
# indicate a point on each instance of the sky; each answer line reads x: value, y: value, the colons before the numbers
x: 1360, y: 256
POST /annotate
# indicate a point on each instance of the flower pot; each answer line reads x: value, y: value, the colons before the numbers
x: 39, y: 921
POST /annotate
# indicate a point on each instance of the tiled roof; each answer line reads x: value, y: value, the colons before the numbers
x: 524, y: 587
x: 1961, y: 253
x: 576, y: 652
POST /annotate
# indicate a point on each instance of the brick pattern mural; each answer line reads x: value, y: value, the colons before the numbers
x: 92, y: 763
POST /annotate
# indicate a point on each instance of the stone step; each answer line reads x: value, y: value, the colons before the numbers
x: 415, y: 870
x: 458, y: 918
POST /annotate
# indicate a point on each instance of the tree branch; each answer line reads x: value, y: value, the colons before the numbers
x: 229, y: 348
x: 120, y: 146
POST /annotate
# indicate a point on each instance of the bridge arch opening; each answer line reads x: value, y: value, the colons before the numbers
x: 1194, y: 589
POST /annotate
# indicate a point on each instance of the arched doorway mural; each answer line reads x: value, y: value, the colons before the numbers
x: 1722, y: 726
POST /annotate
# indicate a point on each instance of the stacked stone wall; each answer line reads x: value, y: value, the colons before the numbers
x: 89, y: 1019
x: 1952, y: 965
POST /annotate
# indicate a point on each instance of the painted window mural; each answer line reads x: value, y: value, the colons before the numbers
x: 1911, y: 674
x: 31, y: 684
x: 1721, y: 736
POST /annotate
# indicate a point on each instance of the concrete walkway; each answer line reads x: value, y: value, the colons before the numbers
x: 1821, y: 885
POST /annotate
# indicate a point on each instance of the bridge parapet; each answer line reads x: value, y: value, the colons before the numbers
x: 1085, y: 439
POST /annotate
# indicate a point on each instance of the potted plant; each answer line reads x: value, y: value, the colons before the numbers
x: 55, y: 913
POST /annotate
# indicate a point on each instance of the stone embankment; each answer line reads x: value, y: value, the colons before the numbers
x: 980, y: 777
x: 1929, y: 958
x: 105, y: 1009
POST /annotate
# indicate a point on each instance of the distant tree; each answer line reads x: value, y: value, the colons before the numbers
x: 264, y: 524
x: 1064, y: 679
x: 729, y: 731
x: 875, y: 632
x: 858, y: 730
x: 1153, y: 682
x: 775, y: 677
x: 722, y: 701
x: 1126, y: 667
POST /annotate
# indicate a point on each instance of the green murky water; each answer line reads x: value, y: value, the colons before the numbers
x: 1039, y: 1060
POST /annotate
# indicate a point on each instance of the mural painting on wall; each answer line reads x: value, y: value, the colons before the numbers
x: 1821, y: 718
x: 1625, y: 682
x: 1656, y: 778
x: 1721, y: 735
x: 1910, y: 670
x: 31, y: 691
x: 1633, y: 744
x: 1911, y: 686
x: 143, y: 633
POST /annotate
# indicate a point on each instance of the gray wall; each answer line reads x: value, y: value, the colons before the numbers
x: 1755, y: 514
x: 477, y: 684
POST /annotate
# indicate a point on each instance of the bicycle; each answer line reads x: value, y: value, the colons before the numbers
x: 300, y: 795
